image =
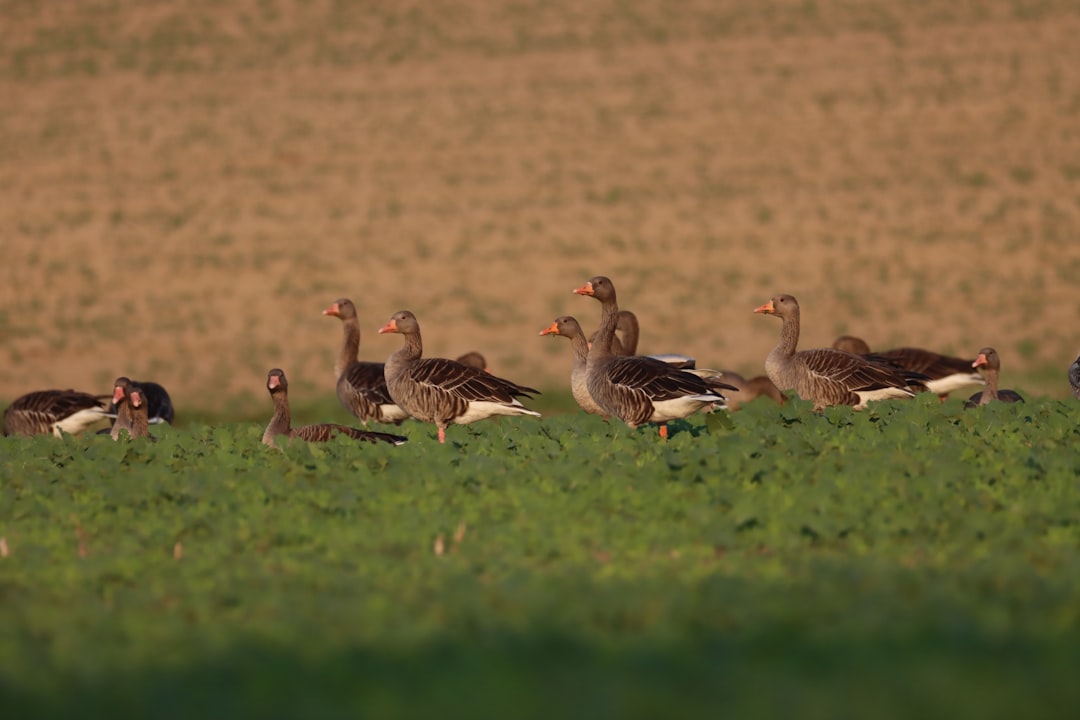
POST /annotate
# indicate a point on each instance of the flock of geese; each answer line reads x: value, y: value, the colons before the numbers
x: 607, y: 378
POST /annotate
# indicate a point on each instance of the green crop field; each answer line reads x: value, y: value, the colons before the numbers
x: 913, y: 560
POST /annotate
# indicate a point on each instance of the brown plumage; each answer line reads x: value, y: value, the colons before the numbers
x: 361, y: 386
x: 750, y: 389
x: 53, y: 411
x: 281, y: 422
x: 944, y: 373
x: 638, y: 390
x: 1074, y: 377
x: 826, y: 376
x: 568, y: 327
x: 132, y: 409
x: 990, y: 363
x: 474, y: 360
x: 442, y: 391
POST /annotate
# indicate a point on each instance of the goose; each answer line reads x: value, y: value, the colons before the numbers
x: 132, y: 409
x: 630, y: 328
x: 361, y: 386
x: 990, y: 364
x: 638, y: 390
x: 52, y: 411
x: 567, y: 326
x: 826, y: 376
x: 443, y: 391
x: 944, y: 373
x: 1074, y: 377
x: 750, y: 388
x: 281, y: 423
x: 159, y: 405
x: 474, y: 360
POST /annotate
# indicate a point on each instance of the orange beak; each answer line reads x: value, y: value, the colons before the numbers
x: 389, y: 327
x: 585, y: 289
x: 552, y: 329
x: 767, y: 308
x: 332, y: 310
x: 135, y: 399
x: 981, y: 360
x: 117, y: 395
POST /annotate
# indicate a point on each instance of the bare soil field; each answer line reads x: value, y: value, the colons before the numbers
x: 185, y: 186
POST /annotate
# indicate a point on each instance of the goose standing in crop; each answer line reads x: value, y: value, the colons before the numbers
x: 944, y: 373
x: 990, y: 363
x: 638, y: 390
x: 443, y: 391
x: 361, y: 385
x: 568, y: 327
x: 132, y: 409
x: 826, y: 376
x: 281, y: 423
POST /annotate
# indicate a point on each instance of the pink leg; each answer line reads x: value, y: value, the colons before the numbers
x: 442, y: 436
x: 663, y: 431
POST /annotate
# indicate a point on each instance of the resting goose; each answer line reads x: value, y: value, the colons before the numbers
x: 750, y: 389
x: 361, y: 386
x: 159, y: 407
x: 826, y: 376
x: 1074, y: 377
x: 132, y: 409
x: 443, y: 391
x: 944, y: 373
x: 474, y: 360
x: 281, y: 422
x: 638, y: 390
x: 990, y: 364
x: 52, y: 411
x: 568, y: 327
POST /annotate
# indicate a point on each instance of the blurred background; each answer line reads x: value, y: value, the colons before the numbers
x: 184, y: 187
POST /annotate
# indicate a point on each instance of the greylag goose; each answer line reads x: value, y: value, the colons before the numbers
x: 638, y: 390
x: 52, y: 411
x: 281, y: 423
x: 361, y: 386
x: 630, y: 328
x: 944, y: 373
x: 990, y: 364
x: 749, y: 389
x: 568, y: 327
x: 442, y: 391
x: 826, y: 376
x: 132, y: 409
x: 159, y: 407
x: 474, y: 360
x: 1074, y: 377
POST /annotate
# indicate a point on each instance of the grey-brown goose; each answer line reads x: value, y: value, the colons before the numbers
x: 474, y: 360
x: 750, y: 389
x: 638, y: 390
x: 132, y: 409
x: 567, y: 326
x: 826, y: 376
x: 630, y: 328
x: 443, y: 391
x: 1074, y: 377
x: 53, y: 411
x: 361, y: 386
x: 990, y: 364
x: 281, y: 423
x: 944, y: 373
x: 159, y: 407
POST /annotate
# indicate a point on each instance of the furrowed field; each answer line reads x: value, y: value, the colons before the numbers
x: 915, y: 560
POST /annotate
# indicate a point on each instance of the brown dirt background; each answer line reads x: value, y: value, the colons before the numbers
x: 185, y: 186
